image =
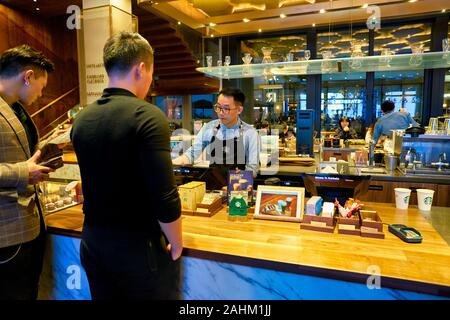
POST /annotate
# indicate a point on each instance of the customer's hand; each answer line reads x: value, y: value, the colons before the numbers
x: 37, y: 173
x: 175, y: 252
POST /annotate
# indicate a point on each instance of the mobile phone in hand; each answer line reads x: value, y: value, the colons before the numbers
x: 54, y: 163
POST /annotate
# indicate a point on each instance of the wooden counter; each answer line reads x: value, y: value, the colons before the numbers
x: 283, y: 246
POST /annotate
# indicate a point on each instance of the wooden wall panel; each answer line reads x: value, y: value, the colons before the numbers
x: 57, y: 42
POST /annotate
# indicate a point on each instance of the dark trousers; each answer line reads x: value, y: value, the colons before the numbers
x: 126, y: 266
x: 19, y: 277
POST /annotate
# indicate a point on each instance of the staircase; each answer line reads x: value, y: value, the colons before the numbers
x: 175, y: 63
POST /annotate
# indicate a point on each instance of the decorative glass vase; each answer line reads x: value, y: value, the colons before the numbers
x: 267, y: 51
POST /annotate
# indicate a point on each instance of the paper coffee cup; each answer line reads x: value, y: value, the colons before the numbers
x: 425, y: 199
x: 402, y: 198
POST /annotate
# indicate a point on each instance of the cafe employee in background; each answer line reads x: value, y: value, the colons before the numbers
x: 391, y: 120
x: 228, y: 141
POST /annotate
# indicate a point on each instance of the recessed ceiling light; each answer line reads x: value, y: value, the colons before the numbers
x: 37, y: 9
x: 365, y: 5
x: 212, y: 24
x: 443, y: 11
x: 282, y: 16
x: 212, y: 36
x: 412, y: 1
x: 322, y: 11
x: 259, y: 30
x: 179, y: 22
x: 313, y: 24
x: 246, y: 20
x: 35, y: 0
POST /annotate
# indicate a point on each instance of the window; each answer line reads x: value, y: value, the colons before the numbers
x: 277, y: 97
x: 202, y: 106
x: 343, y: 95
x: 404, y: 89
x: 171, y: 106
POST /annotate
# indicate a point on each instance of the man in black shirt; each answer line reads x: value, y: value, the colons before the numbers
x: 131, y: 203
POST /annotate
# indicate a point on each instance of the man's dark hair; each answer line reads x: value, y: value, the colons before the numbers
x: 124, y: 50
x: 236, y: 93
x: 15, y: 60
x: 387, y: 106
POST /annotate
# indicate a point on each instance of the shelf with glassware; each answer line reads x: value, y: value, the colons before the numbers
x: 329, y: 65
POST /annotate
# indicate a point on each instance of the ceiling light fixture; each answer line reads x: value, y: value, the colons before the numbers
x: 322, y: 11
x: 443, y: 11
x: 412, y: 1
x: 313, y: 24
x: 37, y: 9
x: 212, y: 36
x: 212, y: 24
x: 246, y: 20
x: 259, y: 30
x: 179, y: 22
x: 282, y: 16
x: 365, y: 5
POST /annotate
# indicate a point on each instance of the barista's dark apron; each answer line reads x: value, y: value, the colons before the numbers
x: 224, y: 155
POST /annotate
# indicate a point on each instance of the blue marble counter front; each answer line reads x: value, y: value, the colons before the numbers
x: 63, y: 278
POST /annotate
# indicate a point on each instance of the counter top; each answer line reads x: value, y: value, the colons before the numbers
x: 295, y: 171
x: 278, y: 245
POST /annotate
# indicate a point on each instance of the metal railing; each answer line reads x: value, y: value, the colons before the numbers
x: 54, y: 101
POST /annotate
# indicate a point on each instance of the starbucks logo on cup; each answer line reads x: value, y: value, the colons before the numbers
x: 406, y: 199
x: 428, y: 200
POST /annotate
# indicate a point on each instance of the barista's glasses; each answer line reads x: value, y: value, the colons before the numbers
x: 222, y: 109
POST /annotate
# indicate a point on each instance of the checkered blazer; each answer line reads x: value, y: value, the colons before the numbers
x: 19, y: 217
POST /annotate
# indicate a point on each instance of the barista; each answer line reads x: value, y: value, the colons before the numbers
x: 228, y: 142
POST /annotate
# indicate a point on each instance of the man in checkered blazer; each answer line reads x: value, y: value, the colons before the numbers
x: 23, y: 75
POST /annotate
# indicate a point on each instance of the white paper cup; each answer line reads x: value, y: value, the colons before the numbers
x: 402, y: 198
x: 425, y: 199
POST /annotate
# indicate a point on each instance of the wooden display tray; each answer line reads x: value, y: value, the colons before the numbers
x: 318, y: 223
x: 298, y: 161
x: 371, y: 229
x: 351, y: 226
x: 74, y: 203
x: 205, y: 210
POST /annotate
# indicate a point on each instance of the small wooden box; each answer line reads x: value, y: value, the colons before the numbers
x: 350, y: 225
x: 318, y: 223
x: 190, y: 194
x: 208, y: 210
x: 372, y: 228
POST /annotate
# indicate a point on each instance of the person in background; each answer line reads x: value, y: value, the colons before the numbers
x: 23, y: 76
x: 391, y: 120
x: 286, y: 132
x: 131, y: 203
x: 345, y: 131
x: 265, y: 127
x: 369, y: 134
x: 229, y: 142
